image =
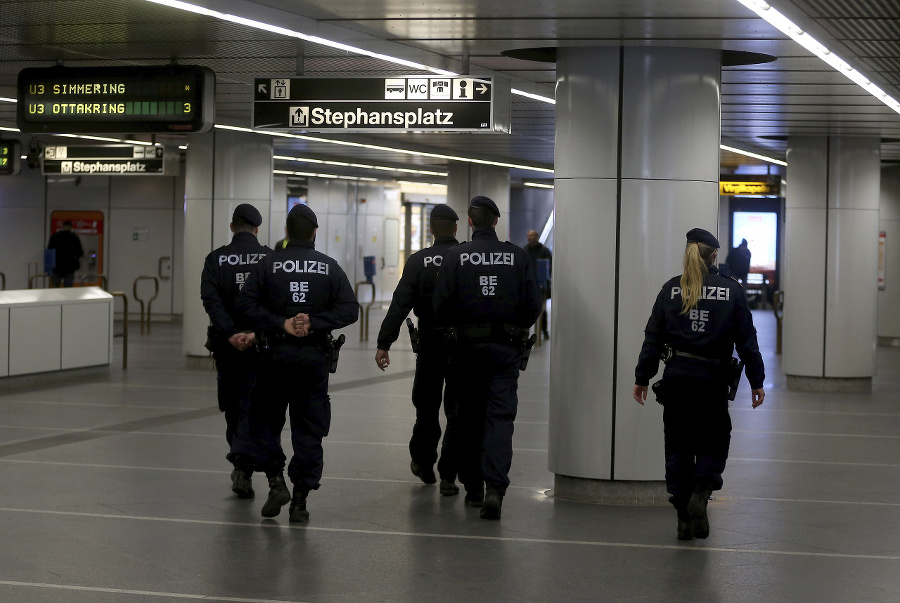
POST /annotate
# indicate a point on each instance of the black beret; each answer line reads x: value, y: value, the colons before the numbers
x: 443, y: 212
x: 304, y: 211
x: 698, y: 235
x: 248, y: 213
x: 486, y: 204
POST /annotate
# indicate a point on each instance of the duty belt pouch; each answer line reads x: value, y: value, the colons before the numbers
x: 735, y: 368
x: 659, y: 391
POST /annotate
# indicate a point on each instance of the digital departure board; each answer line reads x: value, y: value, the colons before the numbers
x: 76, y: 100
x: 10, y: 157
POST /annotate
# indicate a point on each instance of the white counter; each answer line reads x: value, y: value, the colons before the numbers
x: 45, y: 330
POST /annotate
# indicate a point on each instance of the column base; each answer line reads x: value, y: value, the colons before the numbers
x: 889, y: 342
x: 851, y: 385
x: 199, y: 362
x: 606, y: 492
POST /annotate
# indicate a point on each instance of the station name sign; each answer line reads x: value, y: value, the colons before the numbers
x: 169, y: 98
x: 107, y: 160
x: 370, y: 104
x: 747, y: 188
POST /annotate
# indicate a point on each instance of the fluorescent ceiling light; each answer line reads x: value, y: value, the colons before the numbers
x: 384, y: 168
x: 314, y: 175
x: 538, y: 97
x: 360, y: 145
x: 4, y: 99
x: 537, y: 185
x: 193, y: 8
x: 788, y: 27
x: 754, y: 155
x: 9, y: 129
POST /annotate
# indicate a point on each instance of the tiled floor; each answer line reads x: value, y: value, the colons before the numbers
x: 115, y: 488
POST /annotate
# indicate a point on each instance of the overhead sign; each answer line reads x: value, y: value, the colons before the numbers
x: 748, y: 188
x: 170, y: 98
x: 10, y: 157
x: 108, y: 160
x: 371, y: 104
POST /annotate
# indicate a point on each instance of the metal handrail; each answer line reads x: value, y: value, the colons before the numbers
x: 364, y: 316
x: 159, y: 268
x: 149, y: 302
x: 35, y: 276
x: 778, y: 308
x: 3, y: 280
x: 124, y: 334
x: 104, y: 284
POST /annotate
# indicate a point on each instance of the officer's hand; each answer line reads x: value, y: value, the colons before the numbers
x: 758, y: 396
x: 249, y: 339
x: 382, y: 359
x: 237, y: 340
x: 302, y: 324
x: 290, y: 327
x: 640, y: 393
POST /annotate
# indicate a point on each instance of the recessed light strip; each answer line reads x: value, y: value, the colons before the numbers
x: 537, y: 185
x: 389, y: 149
x: 754, y: 155
x: 193, y: 8
x: 791, y: 29
x: 384, y: 168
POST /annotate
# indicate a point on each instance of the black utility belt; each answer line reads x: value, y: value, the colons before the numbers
x: 274, y: 338
x: 670, y: 353
x: 496, y: 333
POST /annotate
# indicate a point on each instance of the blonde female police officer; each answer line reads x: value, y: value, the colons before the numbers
x: 698, y: 319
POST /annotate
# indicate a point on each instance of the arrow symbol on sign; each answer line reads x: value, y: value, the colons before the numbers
x: 482, y: 89
x: 262, y: 89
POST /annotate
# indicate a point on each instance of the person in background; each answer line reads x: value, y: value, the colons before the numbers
x: 739, y: 262
x: 697, y: 321
x: 68, y: 255
x: 537, y: 251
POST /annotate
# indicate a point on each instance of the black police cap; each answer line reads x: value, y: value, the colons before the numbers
x: 304, y: 211
x: 485, y: 203
x: 443, y: 212
x: 247, y: 212
x: 698, y: 235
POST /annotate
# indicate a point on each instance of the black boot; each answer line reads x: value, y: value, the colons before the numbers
x: 425, y: 474
x: 493, y: 500
x: 241, y: 484
x: 278, y: 496
x: 697, y: 510
x: 449, y: 487
x: 684, y: 525
x: 474, y: 495
x: 299, y: 514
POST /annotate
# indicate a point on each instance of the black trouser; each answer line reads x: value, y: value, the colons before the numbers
x: 698, y: 434
x: 429, y: 386
x: 235, y: 374
x: 484, y: 378
x: 294, y: 378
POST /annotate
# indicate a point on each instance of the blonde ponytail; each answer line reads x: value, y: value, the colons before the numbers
x: 697, y: 257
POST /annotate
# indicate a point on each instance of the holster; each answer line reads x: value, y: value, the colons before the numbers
x: 659, y: 391
x: 334, y: 351
x: 526, y: 351
x: 735, y: 368
x: 413, y: 335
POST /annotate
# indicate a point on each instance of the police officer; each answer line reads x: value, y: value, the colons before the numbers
x: 294, y: 299
x: 698, y: 319
x: 230, y: 337
x: 415, y: 292
x: 488, y: 291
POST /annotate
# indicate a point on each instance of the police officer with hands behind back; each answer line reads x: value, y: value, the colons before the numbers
x: 698, y: 320
x: 487, y: 290
x: 415, y: 292
x: 230, y: 337
x: 294, y: 299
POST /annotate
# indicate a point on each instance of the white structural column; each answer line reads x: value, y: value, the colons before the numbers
x: 467, y: 180
x: 224, y: 169
x: 830, y: 276
x: 637, y: 166
x: 889, y: 224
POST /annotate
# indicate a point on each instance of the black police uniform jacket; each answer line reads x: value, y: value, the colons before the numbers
x: 720, y: 323
x: 225, y: 271
x: 415, y: 292
x: 298, y: 279
x: 486, y: 281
